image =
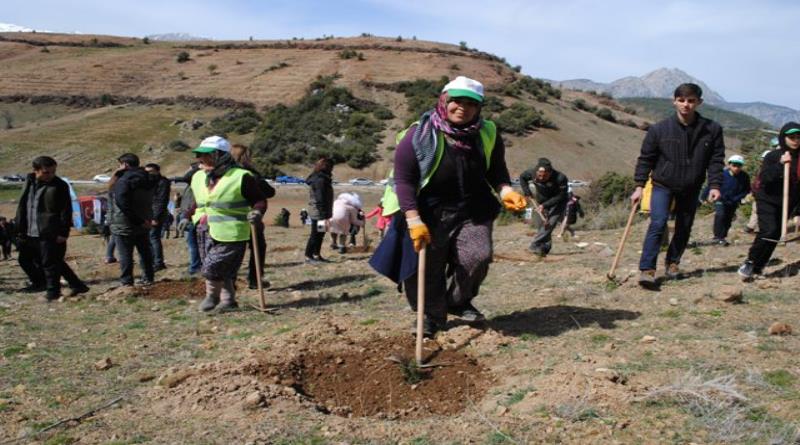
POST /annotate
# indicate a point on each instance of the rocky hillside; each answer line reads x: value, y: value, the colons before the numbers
x: 661, y: 83
x: 93, y: 97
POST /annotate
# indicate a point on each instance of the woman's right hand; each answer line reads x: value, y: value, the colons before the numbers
x: 786, y: 157
x: 418, y: 232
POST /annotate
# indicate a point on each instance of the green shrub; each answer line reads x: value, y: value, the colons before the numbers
x: 182, y: 57
x: 537, y: 88
x: 328, y: 121
x: 178, y: 145
x: 521, y: 119
x: 383, y: 114
x: 91, y: 228
x: 581, y: 104
x: 241, y: 121
x: 350, y: 54
x: 605, y: 114
x: 463, y: 46
x: 610, y: 188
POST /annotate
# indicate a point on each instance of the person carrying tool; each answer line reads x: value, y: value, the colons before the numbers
x: 768, y: 189
x: 228, y: 199
x: 448, y: 167
x: 679, y: 152
x: 552, y: 195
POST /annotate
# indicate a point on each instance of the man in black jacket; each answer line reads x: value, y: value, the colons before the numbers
x: 552, y: 194
x: 131, y: 216
x: 676, y: 154
x: 160, y: 214
x: 44, y: 217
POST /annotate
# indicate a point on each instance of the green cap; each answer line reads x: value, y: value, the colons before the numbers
x: 792, y: 131
x: 465, y: 93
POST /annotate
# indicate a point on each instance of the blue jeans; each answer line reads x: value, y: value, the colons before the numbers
x: 155, y: 245
x: 110, y: 247
x: 685, y: 208
x: 194, y: 254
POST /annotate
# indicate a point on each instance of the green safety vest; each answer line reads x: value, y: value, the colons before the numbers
x: 224, y: 206
x: 488, y: 134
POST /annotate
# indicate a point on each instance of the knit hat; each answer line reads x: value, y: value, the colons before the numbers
x: 736, y: 159
x: 212, y: 143
x: 464, y: 87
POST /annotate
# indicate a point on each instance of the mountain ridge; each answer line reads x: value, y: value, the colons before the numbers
x: 661, y: 82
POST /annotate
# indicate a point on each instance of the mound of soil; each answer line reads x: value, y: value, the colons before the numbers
x: 369, y: 381
x: 166, y: 290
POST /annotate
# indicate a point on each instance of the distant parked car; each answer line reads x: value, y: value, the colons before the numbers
x: 14, y: 178
x: 101, y: 178
x: 361, y: 181
x: 289, y: 180
x: 578, y: 183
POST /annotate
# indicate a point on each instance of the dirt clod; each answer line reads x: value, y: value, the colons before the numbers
x: 103, y: 365
x: 729, y: 294
x: 779, y: 328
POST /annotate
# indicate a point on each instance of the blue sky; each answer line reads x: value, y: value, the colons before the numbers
x: 745, y: 50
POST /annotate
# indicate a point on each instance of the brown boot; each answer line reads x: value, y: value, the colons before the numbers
x: 647, y: 279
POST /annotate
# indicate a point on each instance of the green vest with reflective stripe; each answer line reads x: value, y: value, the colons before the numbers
x: 488, y: 134
x: 224, y: 206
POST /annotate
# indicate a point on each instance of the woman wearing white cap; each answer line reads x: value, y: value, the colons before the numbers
x: 228, y: 200
x: 735, y: 186
x: 448, y: 167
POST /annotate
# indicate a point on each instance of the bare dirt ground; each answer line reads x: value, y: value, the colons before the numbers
x: 565, y: 356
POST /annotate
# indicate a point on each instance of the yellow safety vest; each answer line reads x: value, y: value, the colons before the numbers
x: 488, y: 134
x: 224, y: 206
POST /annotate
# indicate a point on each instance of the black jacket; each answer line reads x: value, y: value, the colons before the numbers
x: 160, y: 198
x: 320, y: 195
x: 678, y: 164
x: 131, y: 201
x: 53, y: 211
x: 552, y: 194
x: 768, y: 186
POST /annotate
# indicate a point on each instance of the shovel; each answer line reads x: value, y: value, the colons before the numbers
x: 611, y: 273
x: 257, y: 256
x: 420, y: 303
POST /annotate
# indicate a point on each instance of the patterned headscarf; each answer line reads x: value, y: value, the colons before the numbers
x: 424, y: 140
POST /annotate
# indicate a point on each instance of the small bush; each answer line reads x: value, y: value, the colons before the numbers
x: 463, y: 46
x: 517, y: 68
x: 455, y: 67
x: 521, y: 119
x: 350, y: 54
x: 178, y: 145
x: 146, y: 40
x: 581, y: 104
x: 606, y: 114
x: 44, y: 50
x: 212, y: 69
x: 383, y: 114
x: 399, y: 39
x: 182, y: 57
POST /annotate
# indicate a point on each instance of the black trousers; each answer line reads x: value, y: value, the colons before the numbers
x: 6, y: 246
x: 42, y: 259
x: 125, y: 245
x: 261, y: 243
x: 769, y: 227
x: 723, y: 217
x: 315, y: 239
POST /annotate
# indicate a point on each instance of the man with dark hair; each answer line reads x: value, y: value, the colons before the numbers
x: 131, y: 216
x: 44, y: 215
x: 677, y: 154
x: 160, y: 214
x: 552, y: 195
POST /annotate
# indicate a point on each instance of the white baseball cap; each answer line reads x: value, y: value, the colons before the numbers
x: 212, y: 143
x: 464, y: 87
x: 736, y: 159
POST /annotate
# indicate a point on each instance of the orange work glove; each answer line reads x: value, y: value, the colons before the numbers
x: 512, y: 200
x: 418, y: 232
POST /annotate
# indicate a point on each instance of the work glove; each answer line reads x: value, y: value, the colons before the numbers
x: 254, y: 216
x: 418, y: 232
x: 512, y: 200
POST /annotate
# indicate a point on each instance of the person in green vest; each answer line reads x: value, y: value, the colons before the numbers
x: 449, y: 172
x: 228, y: 199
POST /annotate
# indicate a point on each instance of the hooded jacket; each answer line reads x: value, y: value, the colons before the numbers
x: 680, y: 164
x: 768, y: 187
x: 131, y: 201
x: 53, y: 207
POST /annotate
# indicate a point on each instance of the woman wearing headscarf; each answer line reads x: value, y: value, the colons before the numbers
x: 320, y: 205
x: 768, y: 191
x: 449, y: 168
